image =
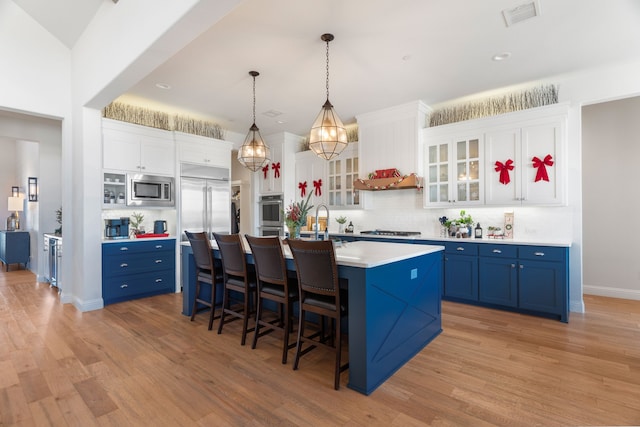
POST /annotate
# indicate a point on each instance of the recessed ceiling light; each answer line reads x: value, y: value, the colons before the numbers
x: 164, y: 86
x: 501, y: 56
x: 280, y: 122
x: 406, y: 57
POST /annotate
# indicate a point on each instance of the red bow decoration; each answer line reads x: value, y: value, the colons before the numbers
x: 276, y: 168
x: 317, y: 185
x: 541, y: 165
x: 504, y: 171
x: 265, y: 171
x: 303, y: 188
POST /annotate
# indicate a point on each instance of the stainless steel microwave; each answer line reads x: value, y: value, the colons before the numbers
x: 150, y: 190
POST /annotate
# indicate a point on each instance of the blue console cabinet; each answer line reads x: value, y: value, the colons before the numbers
x: 136, y: 269
x: 15, y: 248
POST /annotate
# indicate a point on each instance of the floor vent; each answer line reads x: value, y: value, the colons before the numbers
x: 521, y: 13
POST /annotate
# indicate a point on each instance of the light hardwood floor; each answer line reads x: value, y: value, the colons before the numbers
x: 143, y: 363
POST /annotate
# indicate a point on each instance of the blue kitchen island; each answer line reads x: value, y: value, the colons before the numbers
x: 394, y: 303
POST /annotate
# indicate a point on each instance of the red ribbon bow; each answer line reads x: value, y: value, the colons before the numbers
x: 265, y: 171
x: 317, y: 185
x: 276, y: 168
x: 504, y: 171
x: 303, y: 188
x: 541, y: 165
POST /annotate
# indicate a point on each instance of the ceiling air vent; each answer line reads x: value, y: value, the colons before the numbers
x: 521, y: 13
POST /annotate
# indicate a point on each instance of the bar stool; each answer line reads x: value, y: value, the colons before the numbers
x: 237, y: 278
x: 319, y: 289
x: 273, y: 285
x: 206, y: 272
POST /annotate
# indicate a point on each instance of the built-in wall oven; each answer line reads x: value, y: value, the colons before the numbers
x: 271, y: 215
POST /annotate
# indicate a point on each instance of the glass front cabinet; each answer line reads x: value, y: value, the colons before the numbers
x: 341, y: 173
x: 454, y: 176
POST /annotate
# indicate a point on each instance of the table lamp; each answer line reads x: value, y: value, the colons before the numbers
x: 15, y: 205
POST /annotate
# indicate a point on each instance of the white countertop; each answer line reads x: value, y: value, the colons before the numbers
x: 515, y: 241
x: 365, y: 254
x: 144, y: 239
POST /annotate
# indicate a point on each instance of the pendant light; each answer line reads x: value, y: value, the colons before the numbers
x: 254, y: 153
x: 328, y: 136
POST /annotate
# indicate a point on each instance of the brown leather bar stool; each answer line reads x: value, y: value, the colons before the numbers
x: 319, y: 289
x: 273, y: 285
x: 206, y: 272
x: 237, y: 277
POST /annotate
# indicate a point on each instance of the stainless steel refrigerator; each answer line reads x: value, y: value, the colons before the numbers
x: 205, y: 199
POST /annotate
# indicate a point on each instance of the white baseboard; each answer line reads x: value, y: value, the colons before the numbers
x: 94, y: 304
x: 612, y: 292
x: 577, y: 307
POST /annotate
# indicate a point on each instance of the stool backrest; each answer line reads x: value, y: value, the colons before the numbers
x: 269, y: 259
x: 316, y: 266
x: 232, y: 254
x: 201, y: 248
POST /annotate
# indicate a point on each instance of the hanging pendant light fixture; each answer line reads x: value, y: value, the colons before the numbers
x: 328, y: 136
x: 254, y: 153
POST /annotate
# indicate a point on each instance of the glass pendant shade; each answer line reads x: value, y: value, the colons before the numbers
x: 328, y: 136
x: 254, y: 154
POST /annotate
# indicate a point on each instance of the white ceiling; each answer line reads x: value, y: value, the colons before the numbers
x: 385, y: 53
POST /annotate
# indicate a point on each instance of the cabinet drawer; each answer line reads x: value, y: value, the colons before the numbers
x: 121, y: 288
x: 542, y: 253
x: 461, y: 248
x: 499, y: 251
x: 117, y: 265
x: 137, y: 247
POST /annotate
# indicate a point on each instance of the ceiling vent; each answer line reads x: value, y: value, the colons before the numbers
x: 521, y: 13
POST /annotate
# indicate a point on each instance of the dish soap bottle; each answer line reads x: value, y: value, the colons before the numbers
x: 478, y: 232
x: 326, y: 233
x: 349, y: 227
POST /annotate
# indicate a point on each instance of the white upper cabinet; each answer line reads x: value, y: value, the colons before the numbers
x: 280, y: 176
x: 203, y: 151
x: 453, y: 169
x: 311, y: 177
x: 526, y: 165
x: 133, y: 148
x: 341, y: 172
x: 514, y: 159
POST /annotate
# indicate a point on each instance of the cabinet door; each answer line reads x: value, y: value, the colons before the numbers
x: 157, y: 156
x: 461, y: 277
x: 454, y: 172
x: 503, y: 186
x: 120, y: 151
x: 542, y: 141
x: 498, y: 281
x: 272, y: 184
x: 542, y: 287
x: 204, y: 151
x: 310, y: 169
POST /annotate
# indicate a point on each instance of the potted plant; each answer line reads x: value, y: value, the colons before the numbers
x: 136, y: 223
x: 341, y: 220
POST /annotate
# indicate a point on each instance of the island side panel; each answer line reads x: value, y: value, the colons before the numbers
x: 394, y: 312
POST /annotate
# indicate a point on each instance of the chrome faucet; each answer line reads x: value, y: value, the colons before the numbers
x: 317, y: 209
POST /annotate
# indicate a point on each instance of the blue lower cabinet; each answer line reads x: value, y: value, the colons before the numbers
x: 543, y: 287
x: 498, y: 270
x: 460, y: 271
x: 137, y: 269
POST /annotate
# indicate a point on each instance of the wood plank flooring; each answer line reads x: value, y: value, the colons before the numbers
x: 142, y: 363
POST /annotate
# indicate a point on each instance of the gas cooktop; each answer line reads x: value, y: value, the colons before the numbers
x: 390, y: 233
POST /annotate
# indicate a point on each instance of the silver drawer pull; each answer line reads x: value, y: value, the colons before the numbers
x: 521, y: 266
x: 513, y: 266
x: 497, y: 251
x: 459, y: 248
x: 538, y: 253
x: 158, y: 280
x: 124, y: 248
x: 124, y: 286
x: 158, y: 261
x: 158, y: 246
x: 124, y: 264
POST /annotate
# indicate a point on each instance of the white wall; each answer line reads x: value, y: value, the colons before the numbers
x: 8, y: 177
x: 611, y: 151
